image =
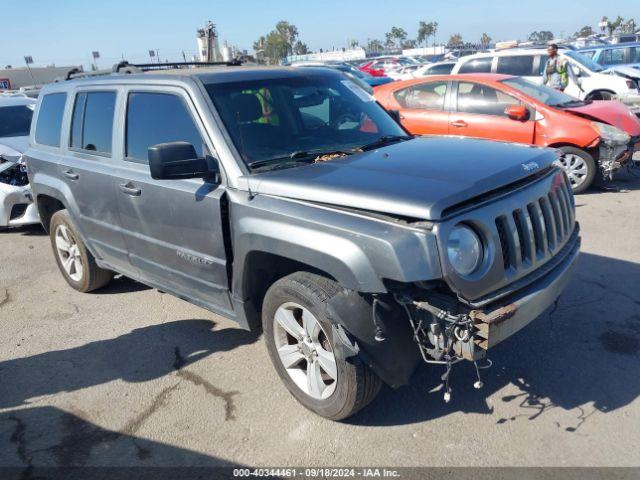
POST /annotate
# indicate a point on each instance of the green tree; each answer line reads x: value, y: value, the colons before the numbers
x: 411, y: 43
x: 543, y: 36
x: 426, y: 30
x: 612, y: 26
x: 395, y: 37
x: 629, y: 26
x: 485, y: 40
x: 300, y: 48
x: 585, y: 31
x: 455, y: 40
x: 279, y: 43
x: 374, y: 46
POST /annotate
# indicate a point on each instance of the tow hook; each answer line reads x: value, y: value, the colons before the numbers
x: 446, y: 340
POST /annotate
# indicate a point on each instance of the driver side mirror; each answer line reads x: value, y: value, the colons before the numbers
x: 179, y: 160
x: 517, y: 112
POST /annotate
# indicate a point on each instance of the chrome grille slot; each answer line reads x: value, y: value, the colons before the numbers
x: 530, y: 235
x: 549, y: 223
x: 539, y: 230
x: 555, y: 208
x: 505, y: 242
x: 525, y: 235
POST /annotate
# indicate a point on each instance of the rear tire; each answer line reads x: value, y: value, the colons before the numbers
x: 346, y: 385
x: 76, y: 263
x: 579, y: 166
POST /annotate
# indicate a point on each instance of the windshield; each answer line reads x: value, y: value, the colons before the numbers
x: 275, y: 119
x: 15, y: 121
x: 546, y: 95
x: 584, y: 61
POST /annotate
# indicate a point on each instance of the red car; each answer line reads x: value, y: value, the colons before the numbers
x: 598, y: 135
x: 377, y: 67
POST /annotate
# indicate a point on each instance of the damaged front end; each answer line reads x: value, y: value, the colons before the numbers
x: 615, y: 150
x: 612, y: 156
x: 16, y: 201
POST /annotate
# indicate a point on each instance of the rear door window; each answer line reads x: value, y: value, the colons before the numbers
x: 442, y: 69
x: 154, y: 118
x: 519, y: 65
x: 425, y: 96
x: 612, y: 56
x: 92, y: 121
x: 483, y: 100
x: 478, y: 65
x: 49, y: 123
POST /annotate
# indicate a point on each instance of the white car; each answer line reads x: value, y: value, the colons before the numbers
x: 588, y: 80
x: 437, y: 68
x: 16, y: 203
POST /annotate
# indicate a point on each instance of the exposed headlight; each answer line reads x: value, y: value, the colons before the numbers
x: 464, y: 250
x: 611, y: 134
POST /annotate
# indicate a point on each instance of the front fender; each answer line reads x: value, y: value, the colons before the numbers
x: 359, y: 252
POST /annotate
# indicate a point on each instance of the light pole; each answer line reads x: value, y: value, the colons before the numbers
x: 96, y: 56
x: 28, y: 59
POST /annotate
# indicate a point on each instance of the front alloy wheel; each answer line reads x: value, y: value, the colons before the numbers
x: 311, y: 359
x: 305, y: 351
x: 579, y: 167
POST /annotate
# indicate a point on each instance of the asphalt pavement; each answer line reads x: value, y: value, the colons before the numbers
x: 131, y: 376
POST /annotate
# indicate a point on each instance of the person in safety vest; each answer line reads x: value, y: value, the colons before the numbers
x: 556, y: 74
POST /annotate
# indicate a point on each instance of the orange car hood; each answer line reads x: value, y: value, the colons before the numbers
x: 610, y: 111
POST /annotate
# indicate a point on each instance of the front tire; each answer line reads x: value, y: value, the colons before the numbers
x: 76, y: 263
x: 600, y: 95
x: 579, y: 166
x: 306, y: 354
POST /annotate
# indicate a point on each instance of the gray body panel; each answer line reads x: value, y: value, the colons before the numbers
x: 365, y: 220
x: 419, y: 178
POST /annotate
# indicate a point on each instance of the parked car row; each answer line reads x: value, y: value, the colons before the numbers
x: 595, y: 137
x: 288, y: 199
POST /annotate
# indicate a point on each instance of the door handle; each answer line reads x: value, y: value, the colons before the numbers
x: 71, y: 174
x: 459, y: 123
x: 129, y: 190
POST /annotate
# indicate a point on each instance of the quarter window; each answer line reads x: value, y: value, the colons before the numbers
x: 92, y: 122
x: 154, y: 118
x: 49, y: 121
x: 520, y: 65
x: 479, y: 65
x: 482, y: 99
x: 425, y: 96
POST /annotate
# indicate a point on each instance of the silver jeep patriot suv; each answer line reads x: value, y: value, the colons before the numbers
x: 288, y: 198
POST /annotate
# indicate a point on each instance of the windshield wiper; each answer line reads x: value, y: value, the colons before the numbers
x: 305, y: 156
x: 384, y: 140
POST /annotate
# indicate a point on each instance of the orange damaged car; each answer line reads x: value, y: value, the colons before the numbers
x: 594, y: 137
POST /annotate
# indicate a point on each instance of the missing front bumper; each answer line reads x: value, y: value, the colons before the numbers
x: 495, y: 325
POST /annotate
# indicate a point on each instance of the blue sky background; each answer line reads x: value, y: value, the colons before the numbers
x: 66, y: 31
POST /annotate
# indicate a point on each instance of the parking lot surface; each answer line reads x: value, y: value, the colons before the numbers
x: 131, y: 376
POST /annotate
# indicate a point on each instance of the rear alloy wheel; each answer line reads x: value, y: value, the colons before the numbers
x: 579, y: 167
x: 308, y: 357
x: 77, y: 264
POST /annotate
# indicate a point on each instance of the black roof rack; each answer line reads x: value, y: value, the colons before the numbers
x: 126, y: 67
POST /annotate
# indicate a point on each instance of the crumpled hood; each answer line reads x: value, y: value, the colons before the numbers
x: 419, y: 178
x: 13, y: 146
x: 612, y: 112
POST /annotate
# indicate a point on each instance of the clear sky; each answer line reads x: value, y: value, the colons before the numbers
x: 66, y: 31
